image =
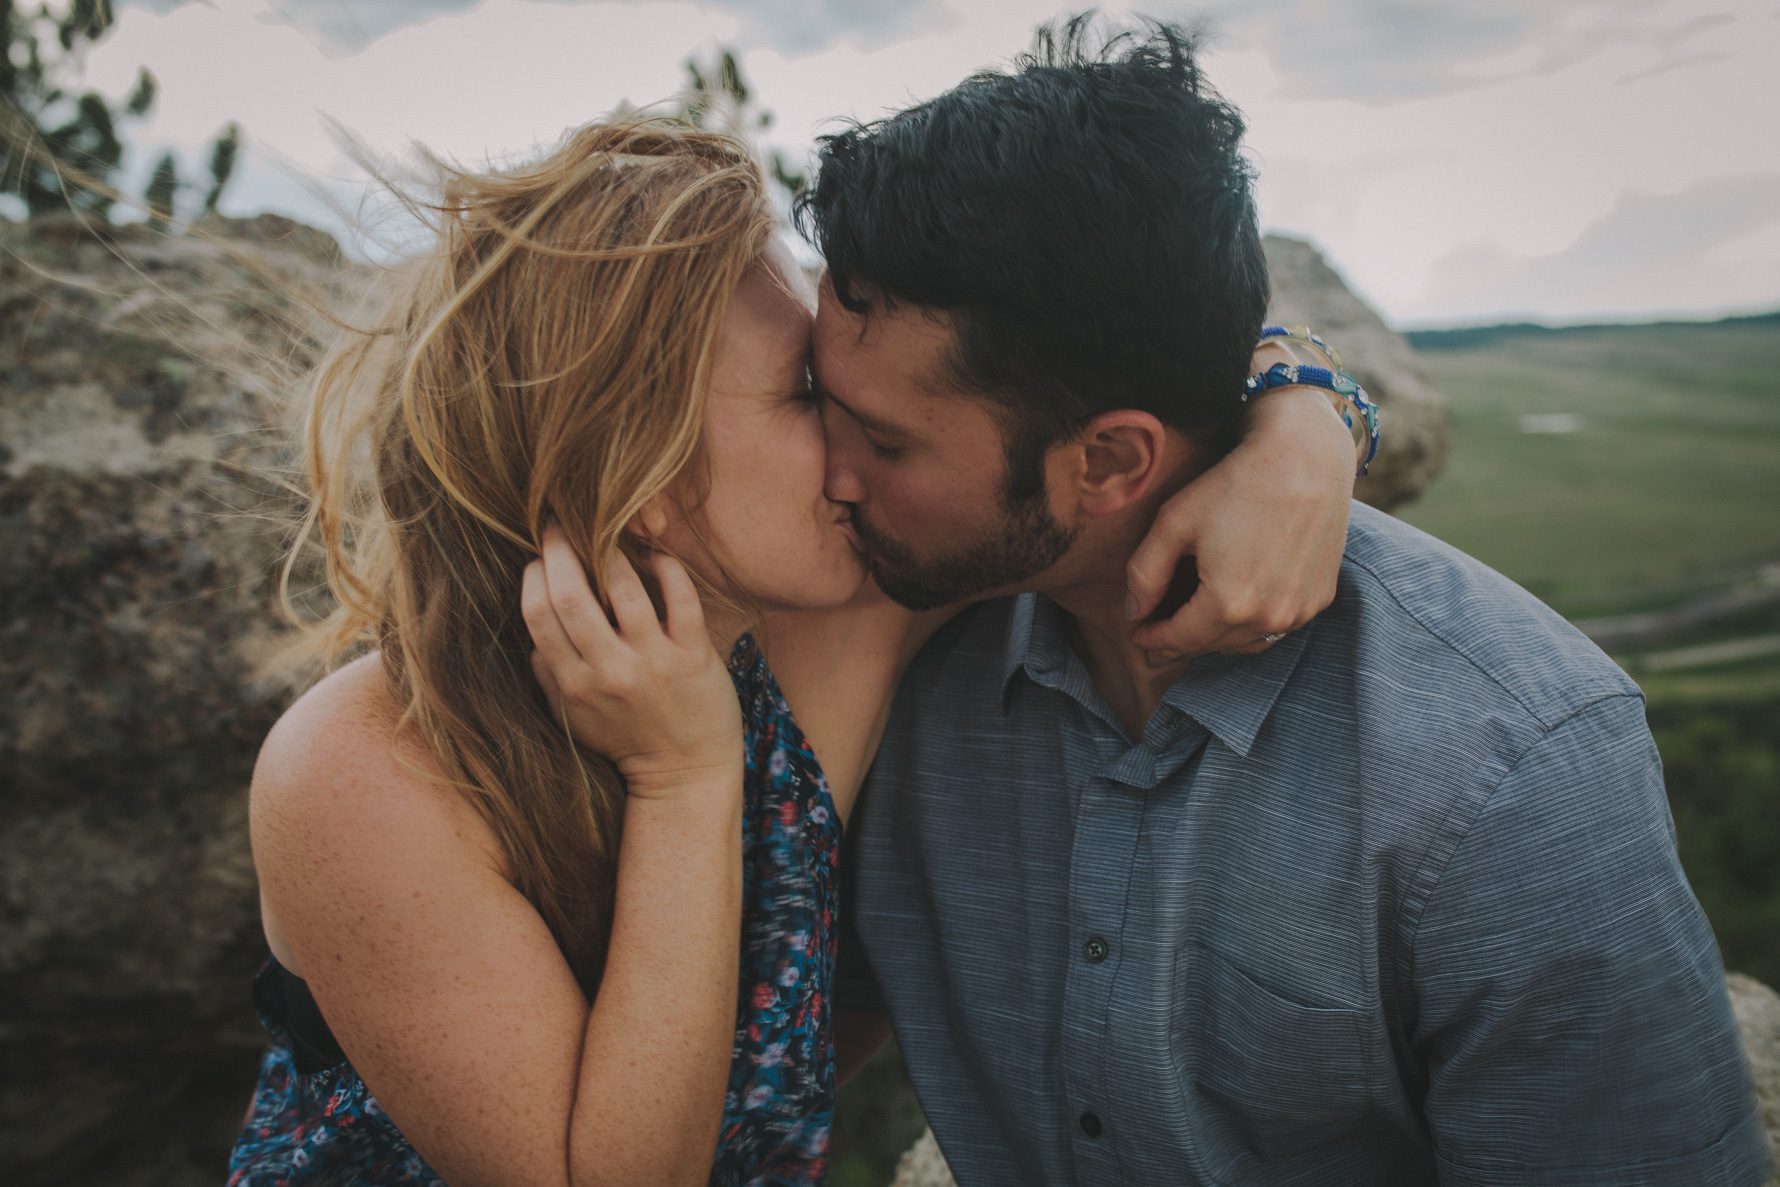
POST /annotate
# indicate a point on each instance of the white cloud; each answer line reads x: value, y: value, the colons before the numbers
x: 1712, y: 246
x: 1390, y: 51
x: 345, y: 27
x: 337, y: 27
x: 1510, y: 128
x: 805, y: 26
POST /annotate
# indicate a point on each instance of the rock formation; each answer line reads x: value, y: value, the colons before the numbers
x: 1307, y: 291
x: 138, y: 537
x: 1758, y: 1016
x: 140, y: 525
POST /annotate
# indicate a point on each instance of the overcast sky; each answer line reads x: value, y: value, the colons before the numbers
x: 1560, y: 160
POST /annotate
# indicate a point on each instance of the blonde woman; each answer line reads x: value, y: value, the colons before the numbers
x: 498, y: 957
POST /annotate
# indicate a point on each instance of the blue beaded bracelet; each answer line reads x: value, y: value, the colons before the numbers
x: 1304, y: 334
x: 1337, y: 381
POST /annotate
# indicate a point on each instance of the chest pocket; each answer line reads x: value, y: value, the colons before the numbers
x: 1266, y: 1080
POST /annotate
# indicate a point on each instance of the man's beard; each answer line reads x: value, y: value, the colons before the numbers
x: 1027, y: 541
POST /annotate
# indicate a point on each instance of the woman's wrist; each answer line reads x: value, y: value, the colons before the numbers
x: 696, y: 785
x: 1292, y: 359
x: 1310, y: 420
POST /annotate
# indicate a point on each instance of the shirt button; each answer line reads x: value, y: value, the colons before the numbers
x: 1090, y: 1125
x: 1095, y: 949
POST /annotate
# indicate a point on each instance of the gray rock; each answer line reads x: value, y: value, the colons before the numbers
x: 139, y: 526
x: 922, y: 1165
x: 1758, y: 1016
x: 1307, y: 291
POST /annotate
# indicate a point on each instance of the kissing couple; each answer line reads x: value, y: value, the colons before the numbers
x: 738, y: 668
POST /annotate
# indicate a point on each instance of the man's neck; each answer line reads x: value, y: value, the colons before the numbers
x: 1100, y: 634
x: 1091, y: 589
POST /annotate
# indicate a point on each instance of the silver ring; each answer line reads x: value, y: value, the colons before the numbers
x: 1273, y: 638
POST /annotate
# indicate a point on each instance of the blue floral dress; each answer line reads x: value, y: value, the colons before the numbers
x: 313, y: 1122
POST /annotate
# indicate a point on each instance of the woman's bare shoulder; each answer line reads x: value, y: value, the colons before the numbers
x: 345, y: 723
x: 336, y: 772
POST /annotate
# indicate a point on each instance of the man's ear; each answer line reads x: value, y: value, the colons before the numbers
x: 1118, y: 459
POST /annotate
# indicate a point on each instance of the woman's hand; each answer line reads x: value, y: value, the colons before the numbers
x: 1267, y: 526
x: 649, y: 692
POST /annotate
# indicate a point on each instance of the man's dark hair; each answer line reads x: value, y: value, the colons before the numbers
x: 1087, y: 222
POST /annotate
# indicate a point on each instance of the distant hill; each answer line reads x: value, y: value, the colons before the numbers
x: 1473, y: 336
x: 1611, y: 469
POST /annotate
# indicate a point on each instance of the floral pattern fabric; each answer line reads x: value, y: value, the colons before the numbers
x: 307, y: 1128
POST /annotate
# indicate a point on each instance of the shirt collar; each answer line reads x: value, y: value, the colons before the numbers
x: 1230, y: 695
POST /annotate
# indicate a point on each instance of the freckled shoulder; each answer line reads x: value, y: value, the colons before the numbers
x: 335, y: 778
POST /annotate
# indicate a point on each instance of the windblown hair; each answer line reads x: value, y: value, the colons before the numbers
x: 549, y: 355
x: 1086, y: 220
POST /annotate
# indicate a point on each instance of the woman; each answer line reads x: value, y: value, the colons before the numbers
x: 497, y: 957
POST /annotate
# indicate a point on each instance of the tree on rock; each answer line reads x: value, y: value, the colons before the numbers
x: 222, y: 164
x: 717, y: 98
x: 61, y: 144
x: 162, y: 189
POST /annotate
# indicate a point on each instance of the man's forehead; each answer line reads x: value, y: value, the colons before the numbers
x: 903, y: 347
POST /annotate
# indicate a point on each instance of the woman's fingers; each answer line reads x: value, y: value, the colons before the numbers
x: 679, y: 600
x: 549, y: 637
x: 578, y: 611
x: 631, y: 608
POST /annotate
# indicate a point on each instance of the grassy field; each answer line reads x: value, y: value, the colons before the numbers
x: 1663, y: 487
x: 1666, y: 486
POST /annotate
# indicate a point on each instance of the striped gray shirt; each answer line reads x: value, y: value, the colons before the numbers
x: 1396, y: 902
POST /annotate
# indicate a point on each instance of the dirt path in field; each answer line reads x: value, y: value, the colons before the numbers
x: 1704, y: 655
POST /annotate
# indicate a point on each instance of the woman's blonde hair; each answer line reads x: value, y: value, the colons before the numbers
x: 550, y: 355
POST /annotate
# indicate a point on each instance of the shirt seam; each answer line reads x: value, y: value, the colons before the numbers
x: 1424, y: 884
x: 1736, y: 1132
x: 1605, y: 688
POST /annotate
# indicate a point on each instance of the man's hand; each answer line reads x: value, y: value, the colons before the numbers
x: 1266, y: 526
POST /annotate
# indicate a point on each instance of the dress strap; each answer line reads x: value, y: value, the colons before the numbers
x: 284, y: 998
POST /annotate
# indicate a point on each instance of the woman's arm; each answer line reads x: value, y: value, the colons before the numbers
x: 445, y: 987
x: 1266, y: 527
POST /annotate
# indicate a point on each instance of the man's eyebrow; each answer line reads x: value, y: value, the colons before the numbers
x: 872, y: 423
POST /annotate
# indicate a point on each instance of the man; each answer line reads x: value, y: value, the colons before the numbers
x: 1394, y: 900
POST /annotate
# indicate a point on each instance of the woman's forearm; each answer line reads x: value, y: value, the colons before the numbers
x: 655, y: 1058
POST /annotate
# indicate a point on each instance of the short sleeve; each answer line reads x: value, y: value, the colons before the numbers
x: 1571, y: 1013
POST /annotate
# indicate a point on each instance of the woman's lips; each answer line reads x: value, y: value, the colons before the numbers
x: 846, y: 526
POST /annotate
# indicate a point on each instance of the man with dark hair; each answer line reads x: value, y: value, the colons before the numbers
x: 1088, y: 231
x: 1394, y: 900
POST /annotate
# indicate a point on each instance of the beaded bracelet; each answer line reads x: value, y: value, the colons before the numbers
x: 1303, y: 334
x: 1337, y: 381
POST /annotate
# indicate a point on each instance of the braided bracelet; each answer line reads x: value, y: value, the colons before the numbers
x: 1337, y: 381
x: 1303, y: 334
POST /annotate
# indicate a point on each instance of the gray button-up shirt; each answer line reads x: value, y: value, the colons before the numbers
x: 1396, y: 902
